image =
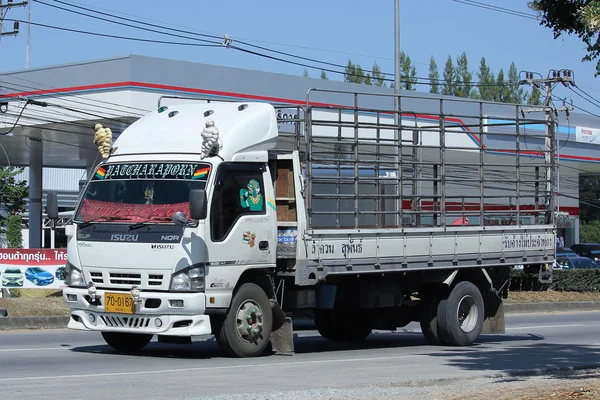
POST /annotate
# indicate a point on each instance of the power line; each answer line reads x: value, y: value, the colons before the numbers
x: 585, y: 96
x: 117, y: 36
x: 214, y: 35
x: 120, y: 23
x: 497, y: 9
x: 420, y: 80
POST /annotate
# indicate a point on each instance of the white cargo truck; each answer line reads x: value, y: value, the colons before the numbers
x: 232, y: 218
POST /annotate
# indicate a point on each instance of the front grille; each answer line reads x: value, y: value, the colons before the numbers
x: 155, y: 280
x: 125, y: 279
x: 125, y: 322
x: 97, y: 277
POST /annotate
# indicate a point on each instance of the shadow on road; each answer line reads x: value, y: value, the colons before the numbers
x: 521, y: 358
x: 308, y: 343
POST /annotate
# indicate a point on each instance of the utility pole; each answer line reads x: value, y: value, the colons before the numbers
x: 4, y: 10
x: 565, y: 77
x: 397, y: 119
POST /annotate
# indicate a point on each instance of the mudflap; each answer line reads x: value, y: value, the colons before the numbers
x: 494, y: 315
x: 282, y: 335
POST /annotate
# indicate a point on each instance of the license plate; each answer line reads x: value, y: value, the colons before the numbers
x: 121, y: 303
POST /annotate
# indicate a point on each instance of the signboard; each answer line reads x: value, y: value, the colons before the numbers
x: 156, y: 170
x: 587, y: 135
x: 32, y: 268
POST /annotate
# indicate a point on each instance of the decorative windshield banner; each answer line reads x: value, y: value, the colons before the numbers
x: 184, y: 171
x: 33, y: 268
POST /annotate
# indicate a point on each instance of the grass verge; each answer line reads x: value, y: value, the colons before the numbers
x: 551, y: 296
x: 34, y: 307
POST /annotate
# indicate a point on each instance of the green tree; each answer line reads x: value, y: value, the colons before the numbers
x: 324, y: 75
x: 434, y: 76
x: 377, y: 76
x: 514, y: 93
x: 12, y: 194
x: 449, y: 77
x: 487, y: 80
x: 500, y: 90
x: 580, y: 17
x: 14, y: 235
x: 354, y: 73
x: 589, y: 232
x: 463, y: 77
x: 589, y: 192
x: 535, y: 98
x: 409, y: 72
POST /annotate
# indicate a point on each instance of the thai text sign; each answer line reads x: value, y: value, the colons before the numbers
x: 32, y: 268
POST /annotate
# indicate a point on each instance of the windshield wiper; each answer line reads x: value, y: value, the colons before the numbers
x: 83, y: 224
x: 143, y: 223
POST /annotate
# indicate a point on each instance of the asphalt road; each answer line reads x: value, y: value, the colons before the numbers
x: 78, y: 365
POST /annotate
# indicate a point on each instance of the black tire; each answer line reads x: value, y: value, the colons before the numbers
x: 461, y: 330
x: 344, y: 326
x: 126, y: 341
x: 230, y: 340
x: 428, y: 316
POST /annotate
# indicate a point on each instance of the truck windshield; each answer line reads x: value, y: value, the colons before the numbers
x: 139, y: 192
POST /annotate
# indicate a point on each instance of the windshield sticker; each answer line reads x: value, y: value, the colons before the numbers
x: 251, y: 197
x: 152, y: 171
x: 100, y: 173
x: 201, y: 173
x: 249, y: 238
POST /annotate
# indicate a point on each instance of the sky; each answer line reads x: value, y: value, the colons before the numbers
x: 332, y: 31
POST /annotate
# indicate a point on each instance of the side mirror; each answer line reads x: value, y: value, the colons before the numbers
x: 52, y: 205
x: 198, y: 204
x: 180, y: 218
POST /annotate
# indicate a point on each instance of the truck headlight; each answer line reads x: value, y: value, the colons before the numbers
x: 74, y: 276
x: 190, y: 279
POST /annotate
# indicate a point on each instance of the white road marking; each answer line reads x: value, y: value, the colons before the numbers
x: 544, y: 326
x: 222, y: 367
x: 35, y: 349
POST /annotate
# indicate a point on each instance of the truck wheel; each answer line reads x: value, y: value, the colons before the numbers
x: 428, y: 316
x: 461, y: 315
x: 343, y: 326
x: 126, y: 341
x: 247, y: 327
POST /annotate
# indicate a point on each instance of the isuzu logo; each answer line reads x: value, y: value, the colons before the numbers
x: 124, y: 237
x: 170, y: 238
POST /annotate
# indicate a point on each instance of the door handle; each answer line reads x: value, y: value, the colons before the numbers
x: 263, y: 245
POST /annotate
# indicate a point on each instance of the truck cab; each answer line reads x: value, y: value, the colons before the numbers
x: 164, y: 235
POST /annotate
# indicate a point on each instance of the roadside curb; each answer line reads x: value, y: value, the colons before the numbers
x: 47, y: 322
x: 523, y: 308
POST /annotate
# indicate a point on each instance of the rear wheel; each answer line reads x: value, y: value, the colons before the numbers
x: 461, y: 315
x: 344, y: 325
x: 126, y: 341
x: 247, y: 327
x: 428, y: 316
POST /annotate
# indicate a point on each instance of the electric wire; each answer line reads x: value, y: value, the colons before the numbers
x: 115, y: 36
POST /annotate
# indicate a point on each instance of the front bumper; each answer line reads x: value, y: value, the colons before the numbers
x: 159, y: 319
x: 12, y: 282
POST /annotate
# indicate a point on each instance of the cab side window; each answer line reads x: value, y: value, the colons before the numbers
x: 238, y: 191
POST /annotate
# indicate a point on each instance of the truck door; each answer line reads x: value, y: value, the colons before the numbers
x: 242, y: 223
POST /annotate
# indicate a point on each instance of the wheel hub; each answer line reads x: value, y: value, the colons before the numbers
x: 467, y: 313
x: 249, y: 321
